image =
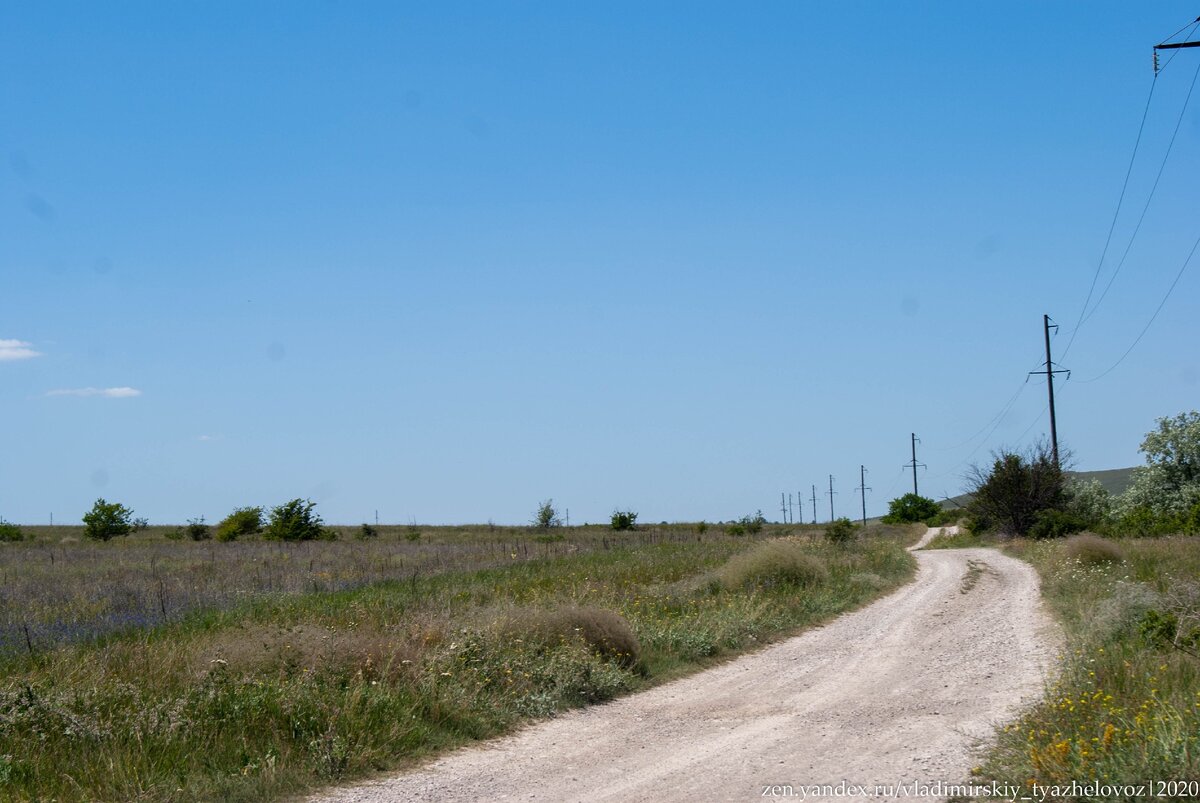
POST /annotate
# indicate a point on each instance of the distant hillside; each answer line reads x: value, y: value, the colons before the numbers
x: 1113, y: 480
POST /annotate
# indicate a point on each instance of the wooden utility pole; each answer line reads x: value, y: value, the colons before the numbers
x: 783, y: 507
x: 831, y: 498
x: 814, y: 501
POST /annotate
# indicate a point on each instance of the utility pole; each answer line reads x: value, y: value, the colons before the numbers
x: 831, y: 498
x: 791, y: 510
x: 800, y: 506
x: 814, y: 501
x: 783, y: 507
x: 862, y: 474
x: 1050, y: 372
x: 914, y: 463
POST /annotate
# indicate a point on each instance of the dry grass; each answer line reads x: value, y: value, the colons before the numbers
x: 781, y: 562
x: 1093, y: 550
x: 604, y: 632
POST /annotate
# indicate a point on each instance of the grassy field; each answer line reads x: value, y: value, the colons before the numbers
x: 1125, y: 708
x: 285, y: 686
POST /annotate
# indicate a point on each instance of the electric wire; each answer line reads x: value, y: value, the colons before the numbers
x: 1149, y: 198
x: 1146, y: 328
x: 1084, y: 314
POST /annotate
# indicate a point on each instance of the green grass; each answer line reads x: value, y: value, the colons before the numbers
x: 1125, y: 708
x: 281, y: 694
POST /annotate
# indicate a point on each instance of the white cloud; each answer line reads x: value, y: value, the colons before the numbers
x: 16, y: 350
x: 108, y: 393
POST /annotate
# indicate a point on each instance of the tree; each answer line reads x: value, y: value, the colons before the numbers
x: 295, y: 521
x: 1169, y: 483
x: 106, y: 520
x: 546, y: 516
x: 1009, y: 497
x: 909, y: 508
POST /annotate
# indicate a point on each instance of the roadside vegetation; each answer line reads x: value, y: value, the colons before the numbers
x: 405, y: 648
x: 1124, y: 708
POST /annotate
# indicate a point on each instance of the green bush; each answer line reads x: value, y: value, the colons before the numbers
x: 701, y: 527
x: 546, y: 516
x: 197, y: 530
x: 944, y: 517
x: 624, y: 520
x: 735, y: 529
x: 841, y: 531
x: 295, y: 521
x: 1008, y: 497
x: 10, y: 531
x: 107, y: 520
x: 909, y: 508
x: 366, y: 532
x: 773, y: 563
x: 1056, y: 524
x: 753, y: 524
x: 242, y: 521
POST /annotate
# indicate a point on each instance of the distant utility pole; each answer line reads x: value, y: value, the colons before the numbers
x: 814, y: 501
x: 376, y: 518
x: 914, y: 463
x: 791, y: 510
x: 800, y: 506
x: 1050, y: 372
x: 831, y: 492
x: 783, y: 506
x: 862, y: 474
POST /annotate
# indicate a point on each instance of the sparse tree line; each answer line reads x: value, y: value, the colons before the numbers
x: 1021, y: 493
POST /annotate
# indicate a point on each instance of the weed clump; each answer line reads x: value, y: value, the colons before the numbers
x: 840, y: 531
x: 606, y: 633
x: 773, y: 563
x: 1092, y: 550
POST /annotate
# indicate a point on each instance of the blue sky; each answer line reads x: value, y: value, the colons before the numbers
x: 444, y: 261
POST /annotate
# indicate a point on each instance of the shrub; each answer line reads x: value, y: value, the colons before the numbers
x: 413, y: 533
x: 174, y: 534
x: 1092, y: 550
x: 701, y: 527
x: 546, y: 516
x: 735, y: 529
x: 773, y: 563
x: 748, y: 524
x: 10, y: 531
x: 841, y: 531
x: 1008, y: 497
x: 295, y: 521
x: 909, y: 508
x: 366, y: 532
x: 197, y: 530
x: 1089, y: 501
x: 106, y: 520
x: 242, y: 521
x: 139, y: 525
x: 624, y: 520
x: 606, y: 633
x: 1056, y: 524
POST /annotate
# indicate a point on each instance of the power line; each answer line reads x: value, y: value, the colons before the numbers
x: 1154, y: 187
x: 1153, y: 317
x: 1084, y: 314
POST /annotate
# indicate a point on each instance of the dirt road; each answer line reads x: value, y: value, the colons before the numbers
x: 895, y: 692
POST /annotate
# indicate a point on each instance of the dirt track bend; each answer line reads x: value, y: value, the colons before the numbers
x: 896, y: 691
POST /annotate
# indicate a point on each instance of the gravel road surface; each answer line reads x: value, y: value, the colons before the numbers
x: 898, y: 691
